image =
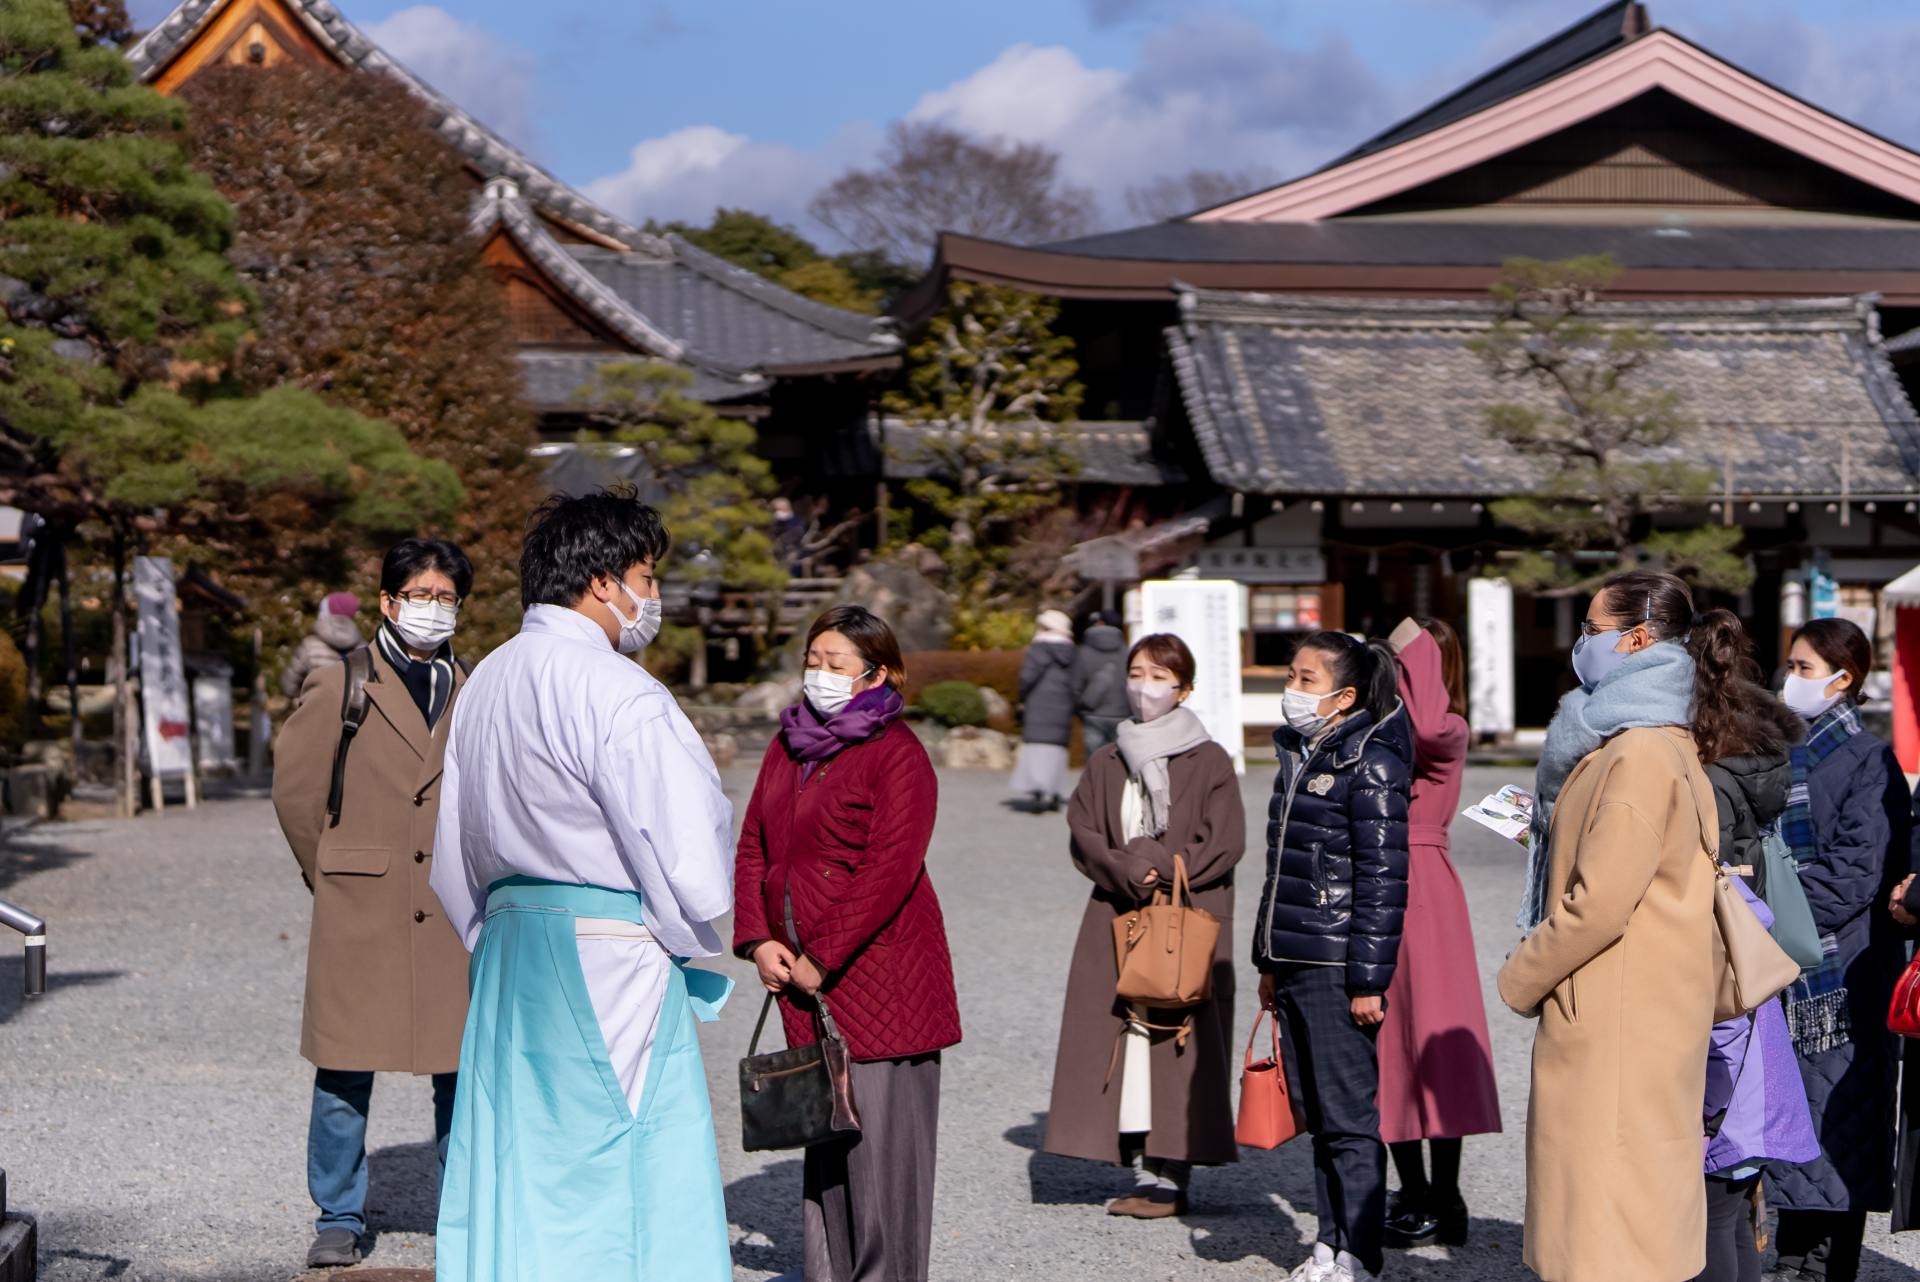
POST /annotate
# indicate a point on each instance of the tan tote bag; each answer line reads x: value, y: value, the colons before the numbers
x: 1164, y: 948
x: 1750, y: 968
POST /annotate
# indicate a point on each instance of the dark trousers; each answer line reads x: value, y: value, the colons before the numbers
x: 1733, y: 1254
x: 1333, y: 1072
x: 1823, y: 1244
x: 868, y: 1215
x: 337, y: 1143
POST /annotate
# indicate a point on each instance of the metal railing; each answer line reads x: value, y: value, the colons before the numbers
x: 35, y: 929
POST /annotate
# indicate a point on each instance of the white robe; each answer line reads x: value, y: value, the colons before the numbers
x: 567, y: 762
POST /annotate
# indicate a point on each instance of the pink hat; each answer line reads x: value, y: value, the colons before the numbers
x: 345, y: 604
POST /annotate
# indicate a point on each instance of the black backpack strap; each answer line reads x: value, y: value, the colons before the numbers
x: 353, y: 712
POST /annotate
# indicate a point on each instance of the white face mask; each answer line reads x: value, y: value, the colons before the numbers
x: 424, y: 625
x: 639, y: 631
x: 1808, y: 695
x: 1152, y: 700
x: 829, y: 692
x: 1302, y: 710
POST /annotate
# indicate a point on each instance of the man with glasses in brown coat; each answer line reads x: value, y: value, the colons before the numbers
x: 356, y: 786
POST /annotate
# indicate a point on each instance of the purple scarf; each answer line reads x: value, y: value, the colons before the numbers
x: 812, y: 739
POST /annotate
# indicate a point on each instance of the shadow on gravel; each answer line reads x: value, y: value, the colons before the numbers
x: 29, y: 850
x: 108, y: 1266
x: 765, y: 1207
x: 403, y: 1190
x: 1064, y: 1181
x: 12, y: 973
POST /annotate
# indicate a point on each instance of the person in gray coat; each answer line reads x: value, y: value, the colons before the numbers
x: 1049, y: 689
x: 334, y: 634
x: 1103, y: 682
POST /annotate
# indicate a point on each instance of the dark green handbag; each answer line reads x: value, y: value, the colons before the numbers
x: 1793, y: 927
x: 800, y: 1096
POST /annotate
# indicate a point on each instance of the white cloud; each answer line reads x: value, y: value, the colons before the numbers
x: 472, y: 66
x: 687, y: 174
x: 1206, y: 93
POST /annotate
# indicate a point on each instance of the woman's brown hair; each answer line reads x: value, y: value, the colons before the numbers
x: 872, y: 639
x: 1170, y: 652
x: 1844, y: 647
x: 1732, y: 715
x: 1453, y: 663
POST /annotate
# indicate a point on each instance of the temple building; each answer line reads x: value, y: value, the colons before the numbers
x: 585, y: 288
x: 1296, y: 358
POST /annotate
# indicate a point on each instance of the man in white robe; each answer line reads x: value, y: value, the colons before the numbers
x: 576, y: 789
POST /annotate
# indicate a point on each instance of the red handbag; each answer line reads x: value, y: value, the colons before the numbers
x: 1903, y: 1016
x: 1267, y: 1118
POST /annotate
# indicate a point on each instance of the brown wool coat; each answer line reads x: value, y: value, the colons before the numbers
x: 1622, y: 974
x: 386, y: 975
x: 1192, y: 1087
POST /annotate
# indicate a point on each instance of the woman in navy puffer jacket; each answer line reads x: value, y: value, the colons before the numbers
x: 1328, y: 933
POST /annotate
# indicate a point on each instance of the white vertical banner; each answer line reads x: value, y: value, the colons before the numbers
x: 1490, y: 656
x: 1206, y: 614
x: 165, y: 712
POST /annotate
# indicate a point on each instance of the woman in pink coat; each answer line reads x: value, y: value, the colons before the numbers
x: 1436, y: 1065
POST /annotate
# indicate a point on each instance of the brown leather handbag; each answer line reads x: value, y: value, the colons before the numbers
x: 799, y: 1096
x: 1164, y: 948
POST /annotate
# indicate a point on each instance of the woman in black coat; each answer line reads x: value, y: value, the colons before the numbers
x: 1049, y: 690
x: 1328, y: 934
x: 1849, y: 821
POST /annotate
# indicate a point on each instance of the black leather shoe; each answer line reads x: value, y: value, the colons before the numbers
x: 1412, y: 1225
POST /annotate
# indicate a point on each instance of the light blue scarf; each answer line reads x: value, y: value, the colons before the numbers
x: 1651, y: 688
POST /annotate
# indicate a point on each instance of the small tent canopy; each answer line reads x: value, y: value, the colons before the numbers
x: 1903, y: 592
x: 1902, y: 596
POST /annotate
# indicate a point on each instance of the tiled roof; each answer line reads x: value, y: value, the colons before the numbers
x: 1605, y: 29
x: 1294, y: 395
x: 1110, y: 453
x: 558, y: 380
x: 727, y: 317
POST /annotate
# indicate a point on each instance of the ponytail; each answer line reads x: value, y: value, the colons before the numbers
x: 1733, y: 714
x: 1367, y: 666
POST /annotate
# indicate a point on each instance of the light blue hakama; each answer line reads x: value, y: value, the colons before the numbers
x: 550, y: 1175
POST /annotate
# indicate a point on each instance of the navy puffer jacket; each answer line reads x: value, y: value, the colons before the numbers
x: 1337, y: 851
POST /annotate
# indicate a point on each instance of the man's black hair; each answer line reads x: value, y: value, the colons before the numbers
x: 409, y: 557
x: 574, y: 539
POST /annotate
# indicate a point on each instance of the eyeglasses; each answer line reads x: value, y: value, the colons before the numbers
x: 447, y: 599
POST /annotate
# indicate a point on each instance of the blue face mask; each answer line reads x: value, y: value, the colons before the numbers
x: 1594, y: 657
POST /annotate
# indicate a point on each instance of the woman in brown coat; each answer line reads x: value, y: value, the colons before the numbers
x: 1619, y: 966
x: 1127, y: 1088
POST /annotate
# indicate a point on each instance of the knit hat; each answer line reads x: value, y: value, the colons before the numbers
x: 1055, y: 622
x: 345, y: 604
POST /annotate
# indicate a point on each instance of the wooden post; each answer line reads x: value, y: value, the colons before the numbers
x: 69, y: 650
x: 125, y: 727
x: 257, y: 732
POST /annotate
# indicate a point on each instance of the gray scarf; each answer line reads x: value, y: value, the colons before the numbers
x: 1653, y: 688
x: 1146, y: 746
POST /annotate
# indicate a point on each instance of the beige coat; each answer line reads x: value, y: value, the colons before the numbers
x: 1192, y: 1085
x: 386, y: 975
x: 1622, y: 975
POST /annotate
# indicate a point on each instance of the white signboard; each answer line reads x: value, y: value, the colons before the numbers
x: 1490, y: 656
x: 165, y: 711
x: 1205, y: 613
x: 213, y: 713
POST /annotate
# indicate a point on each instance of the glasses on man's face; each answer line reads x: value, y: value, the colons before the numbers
x: 422, y: 597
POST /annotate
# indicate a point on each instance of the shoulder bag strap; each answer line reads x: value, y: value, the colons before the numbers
x: 753, y: 1047
x: 353, y: 714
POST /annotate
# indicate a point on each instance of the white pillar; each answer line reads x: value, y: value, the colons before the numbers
x: 1490, y: 676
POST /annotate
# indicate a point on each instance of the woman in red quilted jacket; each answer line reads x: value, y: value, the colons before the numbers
x: 833, y: 904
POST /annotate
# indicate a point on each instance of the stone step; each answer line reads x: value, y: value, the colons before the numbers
x: 19, y: 1250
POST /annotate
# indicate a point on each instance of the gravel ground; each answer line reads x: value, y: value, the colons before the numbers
x: 153, y: 1107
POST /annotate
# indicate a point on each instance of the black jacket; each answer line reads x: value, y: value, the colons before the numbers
x: 1103, y: 674
x: 1049, y: 681
x: 1337, y: 852
x: 1750, y: 793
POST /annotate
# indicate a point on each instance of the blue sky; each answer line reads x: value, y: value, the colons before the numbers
x: 665, y: 108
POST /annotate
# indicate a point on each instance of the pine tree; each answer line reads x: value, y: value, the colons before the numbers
x: 1610, y: 443
x: 352, y: 227
x: 122, y: 322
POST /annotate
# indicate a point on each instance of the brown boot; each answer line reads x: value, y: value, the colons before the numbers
x: 1150, y: 1204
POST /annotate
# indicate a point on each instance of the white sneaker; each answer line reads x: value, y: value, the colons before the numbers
x: 1347, y: 1269
x: 1317, y: 1267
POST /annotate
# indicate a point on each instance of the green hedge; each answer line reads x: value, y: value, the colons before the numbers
x: 954, y: 703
